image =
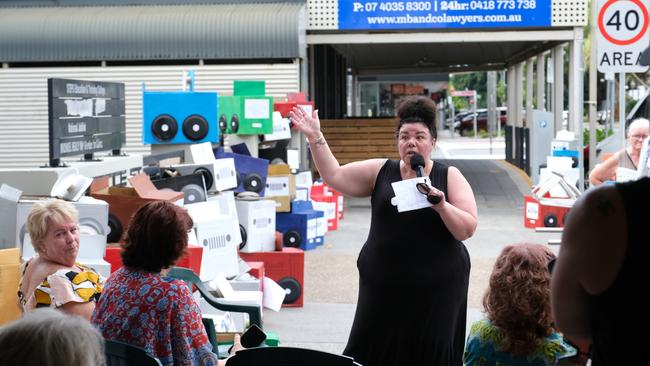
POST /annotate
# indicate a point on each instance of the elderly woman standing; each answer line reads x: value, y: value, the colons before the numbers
x: 53, y: 278
x: 144, y: 307
x: 413, y: 268
x: 627, y: 158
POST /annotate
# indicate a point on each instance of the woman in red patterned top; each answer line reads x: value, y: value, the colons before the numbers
x: 144, y: 307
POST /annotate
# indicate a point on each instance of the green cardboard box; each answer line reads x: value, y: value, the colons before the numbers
x: 249, y: 115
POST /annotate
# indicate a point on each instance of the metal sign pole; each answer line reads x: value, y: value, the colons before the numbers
x: 453, y: 116
x: 621, y: 108
x: 494, y: 116
x: 475, y: 129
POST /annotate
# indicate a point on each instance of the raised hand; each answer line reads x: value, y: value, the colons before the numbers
x: 306, y: 123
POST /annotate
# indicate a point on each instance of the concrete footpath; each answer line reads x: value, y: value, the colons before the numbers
x: 331, y: 277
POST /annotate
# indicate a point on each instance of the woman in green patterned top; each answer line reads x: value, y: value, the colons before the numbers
x: 518, y: 329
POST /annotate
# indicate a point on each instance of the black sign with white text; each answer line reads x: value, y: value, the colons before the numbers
x: 84, y: 117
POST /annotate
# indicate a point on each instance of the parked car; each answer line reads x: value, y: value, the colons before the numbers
x: 457, y: 118
x: 467, y: 123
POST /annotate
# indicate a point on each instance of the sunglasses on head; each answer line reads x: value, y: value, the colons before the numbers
x: 424, y: 189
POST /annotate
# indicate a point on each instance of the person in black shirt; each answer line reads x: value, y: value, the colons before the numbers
x: 413, y: 269
x: 601, y: 273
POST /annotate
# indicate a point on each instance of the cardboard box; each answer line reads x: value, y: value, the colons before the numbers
x: 222, y: 174
x: 9, y: 279
x: 299, y: 227
x: 252, y: 171
x: 230, y: 296
x: 246, y: 285
x: 304, y: 179
x: 14, y: 209
x: 321, y: 229
x: 247, y: 115
x: 324, y: 189
x: 191, y: 260
x: 34, y: 181
x: 280, y: 186
x: 257, y: 269
x: 327, y: 204
x: 125, y: 201
x: 293, y: 100
x: 287, y: 268
x: 281, y: 129
x: 217, y: 230
x: 258, y: 219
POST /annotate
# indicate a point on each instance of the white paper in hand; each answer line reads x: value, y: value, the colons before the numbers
x: 625, y: 174
x: 407, y: 197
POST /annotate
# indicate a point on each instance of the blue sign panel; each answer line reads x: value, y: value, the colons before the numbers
x: 378, y: 14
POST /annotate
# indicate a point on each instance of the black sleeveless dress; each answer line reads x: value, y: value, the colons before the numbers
x: 413, y: 280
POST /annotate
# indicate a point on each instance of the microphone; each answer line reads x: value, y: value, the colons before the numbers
x: 417, y: 164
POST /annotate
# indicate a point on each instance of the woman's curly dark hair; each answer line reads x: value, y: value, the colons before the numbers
x: 156, y: 237
x: 518, y: 299
x: 417, y: 108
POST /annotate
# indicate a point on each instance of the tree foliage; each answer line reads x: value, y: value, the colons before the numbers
x: 475, y: 81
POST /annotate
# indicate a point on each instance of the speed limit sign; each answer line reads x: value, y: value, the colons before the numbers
x: 622, y: 34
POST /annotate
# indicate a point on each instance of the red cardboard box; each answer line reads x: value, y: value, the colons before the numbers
x: 257, y: 269
x: 287, y: 268
x: 293, y: 100
x: 324, y: 189
x: 319, y: 194
x: 191, y: 260
x: 538, y: 214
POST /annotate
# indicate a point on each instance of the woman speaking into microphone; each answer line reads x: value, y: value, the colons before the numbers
x: 413, y: 268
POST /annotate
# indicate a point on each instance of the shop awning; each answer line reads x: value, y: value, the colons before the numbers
x: 142, y: 33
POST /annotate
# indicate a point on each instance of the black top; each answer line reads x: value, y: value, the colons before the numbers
x: 617, y: 313
x: 413, y: 279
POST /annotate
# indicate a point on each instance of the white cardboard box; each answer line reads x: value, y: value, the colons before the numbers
x: 14, y: 209
x: 258, y: 218
x: 217, y: 230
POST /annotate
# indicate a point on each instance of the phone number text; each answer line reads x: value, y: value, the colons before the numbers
x: 373, y: 6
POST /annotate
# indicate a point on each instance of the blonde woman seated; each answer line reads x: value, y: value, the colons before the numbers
x: 53, y: 278
x: 518, y: 329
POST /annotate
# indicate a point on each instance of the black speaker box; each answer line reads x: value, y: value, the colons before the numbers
x: 192, y: 185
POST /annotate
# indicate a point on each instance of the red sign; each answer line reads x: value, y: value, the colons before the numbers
x: 463, y: 93
x: 638, y: 31
x: 622, y: 34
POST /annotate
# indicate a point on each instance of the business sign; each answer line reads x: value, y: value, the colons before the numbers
x: 622, y: 34
x: 374, y: 14
x: 463, y: 93
x: 84, y: 117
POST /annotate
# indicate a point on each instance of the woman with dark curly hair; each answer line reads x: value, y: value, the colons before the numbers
x: 415, y: 254
x: 142, y: 305
x: 519, y: 325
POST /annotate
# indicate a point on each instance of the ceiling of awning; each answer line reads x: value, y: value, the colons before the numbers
x: 404, y: 53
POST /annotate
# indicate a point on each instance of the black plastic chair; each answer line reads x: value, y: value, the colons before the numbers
x: 124, y: 354
x: 187, y: 275
x: 288, y: 356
